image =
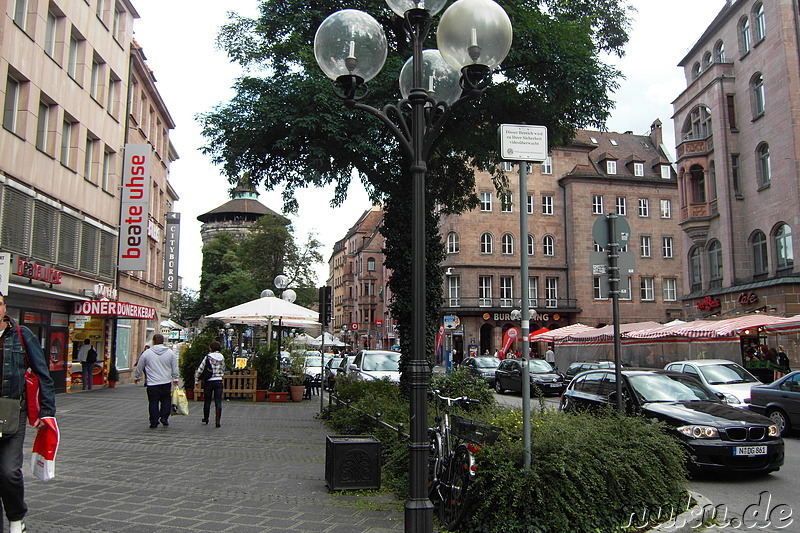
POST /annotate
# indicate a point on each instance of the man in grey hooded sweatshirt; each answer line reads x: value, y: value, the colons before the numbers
x: 160, y: 367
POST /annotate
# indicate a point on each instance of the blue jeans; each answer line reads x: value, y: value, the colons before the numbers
x: 12, y: 491
x: 86, y: 372
x: 211, y: 388
x: 160, y: 400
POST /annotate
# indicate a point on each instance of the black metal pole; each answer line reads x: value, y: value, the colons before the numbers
x: 614, y: 279
x: 418, y: 507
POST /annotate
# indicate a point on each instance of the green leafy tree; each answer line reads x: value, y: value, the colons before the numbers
x: 285, y: 127
x: 184, y: 306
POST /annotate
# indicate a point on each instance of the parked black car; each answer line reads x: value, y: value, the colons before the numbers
x: 482, y: 367
x: 544, y: 379
x: 780, y: 401
x: 582, y: 366
x: 716, y: 435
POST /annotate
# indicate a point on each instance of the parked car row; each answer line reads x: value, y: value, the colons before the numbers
x: 366, y: 365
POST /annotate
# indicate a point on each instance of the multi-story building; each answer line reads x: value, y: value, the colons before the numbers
x: 359, y: 285
x: 737, y: 128
x: 75, y: 89
x: 598, y: 173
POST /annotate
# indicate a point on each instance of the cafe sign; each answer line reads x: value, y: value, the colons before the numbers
x: 707, y: 303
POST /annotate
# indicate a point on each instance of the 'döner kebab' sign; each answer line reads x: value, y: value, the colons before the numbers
x: 108, y: 308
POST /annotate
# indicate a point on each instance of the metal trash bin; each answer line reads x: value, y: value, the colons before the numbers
x: 352, y: 462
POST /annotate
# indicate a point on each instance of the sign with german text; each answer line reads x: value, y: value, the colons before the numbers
x: 173, y: 231
x: 108, y: 308
x: 137, y: 163
x: 521, y: 142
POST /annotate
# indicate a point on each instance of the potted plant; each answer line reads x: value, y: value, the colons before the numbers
x: 278, y: 391
x: 265, y: 364
x: 297, y: 378
x: 113, y: 375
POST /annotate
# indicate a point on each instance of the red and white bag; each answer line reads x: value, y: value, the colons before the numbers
x: 43, y: 456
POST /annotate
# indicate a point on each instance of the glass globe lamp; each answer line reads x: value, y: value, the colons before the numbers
x: 350, y: 43
x: 438, y: 77
x: 474, y: 32
x: 281, y: 281
x: 267, y: 292
x: 289, y: 295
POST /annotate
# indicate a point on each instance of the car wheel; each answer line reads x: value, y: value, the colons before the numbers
x: 498, y: 388
x: 780, y: 419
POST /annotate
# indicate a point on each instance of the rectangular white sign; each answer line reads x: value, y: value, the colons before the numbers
x: 520, y: 142
x: 5, y: 272
x: 137, y: 163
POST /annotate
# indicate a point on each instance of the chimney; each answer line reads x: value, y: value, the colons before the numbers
x: 656, y: 133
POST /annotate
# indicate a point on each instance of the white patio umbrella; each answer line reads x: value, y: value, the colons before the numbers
x: 268, y: 310
x: 330, y: 340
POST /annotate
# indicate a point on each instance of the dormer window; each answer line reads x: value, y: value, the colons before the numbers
x: 666, y: 172
x: 613, y: 141
x: 638, y: 169
x: 611, y: 167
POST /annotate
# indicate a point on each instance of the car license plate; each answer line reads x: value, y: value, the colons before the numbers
x: 750, y: 450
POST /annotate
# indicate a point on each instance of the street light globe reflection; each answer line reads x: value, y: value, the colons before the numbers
x: 438, y: 77
x: 474, y: 32
x: 350, y: 42
x: 401, y: 6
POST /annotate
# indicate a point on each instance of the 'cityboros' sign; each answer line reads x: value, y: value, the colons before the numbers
x: 135, y: 207
x: 105, y: 308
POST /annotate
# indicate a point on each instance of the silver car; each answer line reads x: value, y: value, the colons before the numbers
x: 720, y: 375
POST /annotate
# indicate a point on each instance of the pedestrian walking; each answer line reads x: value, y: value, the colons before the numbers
x: 550, y: 356
x: 87, y: 356
x: 19, y: 349
x: 214, y: 366
x: 160, y: 367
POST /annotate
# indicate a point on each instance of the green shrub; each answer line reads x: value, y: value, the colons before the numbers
x: 265, y: 363
x: 194, y: 354
x: 461, y: 383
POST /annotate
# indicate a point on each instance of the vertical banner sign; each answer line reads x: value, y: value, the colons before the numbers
x: 5, y: 271
x: 135, y: 207
x: 173, y: 233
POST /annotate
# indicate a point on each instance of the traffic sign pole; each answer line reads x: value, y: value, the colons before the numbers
x: 613, y: 278
x: 525, y: 321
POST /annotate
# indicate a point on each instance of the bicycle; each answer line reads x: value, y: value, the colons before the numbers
x: 454, y: 441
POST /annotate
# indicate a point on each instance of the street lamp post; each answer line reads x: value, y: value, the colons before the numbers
x: 281, y: 283
x: 350, y: 47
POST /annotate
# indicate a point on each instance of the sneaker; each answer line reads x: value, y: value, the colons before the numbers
x: 165, y: 422
x: 153, y: 426
x: 17, y: 526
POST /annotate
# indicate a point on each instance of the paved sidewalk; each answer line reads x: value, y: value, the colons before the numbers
x: 262, y: 471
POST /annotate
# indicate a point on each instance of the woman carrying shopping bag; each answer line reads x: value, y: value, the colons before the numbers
x: 210, y: 372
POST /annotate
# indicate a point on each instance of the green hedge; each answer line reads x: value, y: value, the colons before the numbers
x: 588, y: 473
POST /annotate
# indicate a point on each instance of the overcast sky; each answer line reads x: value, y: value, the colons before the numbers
x: 193, y: 76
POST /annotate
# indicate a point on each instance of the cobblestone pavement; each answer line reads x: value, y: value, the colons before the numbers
x: 262, y: 471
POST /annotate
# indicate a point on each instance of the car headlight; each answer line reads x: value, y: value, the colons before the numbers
x: 730, y: 398
x: 773, y: 431
x: 699, y: 432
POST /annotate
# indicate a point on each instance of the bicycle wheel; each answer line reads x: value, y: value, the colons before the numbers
x: 434, y: 463
x: 455, y: 489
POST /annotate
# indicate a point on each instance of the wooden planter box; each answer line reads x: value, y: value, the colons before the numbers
x: 278, y: 396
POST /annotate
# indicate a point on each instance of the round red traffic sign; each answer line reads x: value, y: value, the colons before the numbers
x: 354, y: 326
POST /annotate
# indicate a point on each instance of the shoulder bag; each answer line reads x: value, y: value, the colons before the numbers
x: 207, y: 371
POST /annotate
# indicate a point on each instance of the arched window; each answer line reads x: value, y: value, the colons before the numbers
x: 715, y: 264
x: 719, y: 52
x: 549, y: 246
x: 760, y: 257
x: 744, y: 35
x: 762, y: 165
x: 486, y: 243
x: 757, y: 90
x: 698, y: 183
x: 760, y: 24
x: 453, y: 244
x: 707, y: 60
x: 784, y: 256
x: 695, y: 70
x: 531, y: 248
x: 507, y: 244
x: 695, y: 271
x: 697, y: 124
x: 371, y: 264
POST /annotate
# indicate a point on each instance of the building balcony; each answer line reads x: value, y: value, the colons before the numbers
x: 694, y: 146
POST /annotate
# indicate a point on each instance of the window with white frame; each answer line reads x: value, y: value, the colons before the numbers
x: 486, y: 201
x: 68, y: 129
x: 94, y: 82
x: 611, y: 167
x: 51, y: 28
x: 783, y: 247
x: 719, y: 52
x: 744, y: 35
x: 43, y: 127
x: 547, y: 165
x: 763, y: 168
x: 666, y: 208
x: 531, y: 248
x: 757, y: 91
x: 760, y: 254
x: 75, y: 49
x: 666, y: 172
x: 626, y: 290
x: 89, y: 156
x: 453, y: 244
x: 506, y: 203
x: 11, y: 104
x: 597, y: 204
x: 598, y: 289
x: 533, y: 291
x: 760, y: 23
x: 644, y: 245
x: 21, y: 13
x: 670, y: 289
x: 621, y: 206
x: 647, y: 292
x: 638, y: 169
x: 551, y: 292
x: 108, y: 164
x: 506, y: 291
x: 547, y: 205
x: 529, y: 204
x: 485, y: 291
x: 371, y: 264
x: 507, y: 244
x: 454, y: 290
x: 486, y: 243
x: 667, y: 247
x: 549, y: 246
x: 695, y: 269
x: 644, y: 207
x: 508, y: 166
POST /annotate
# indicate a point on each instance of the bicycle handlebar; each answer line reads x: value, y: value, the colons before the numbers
x: 463, y: 399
